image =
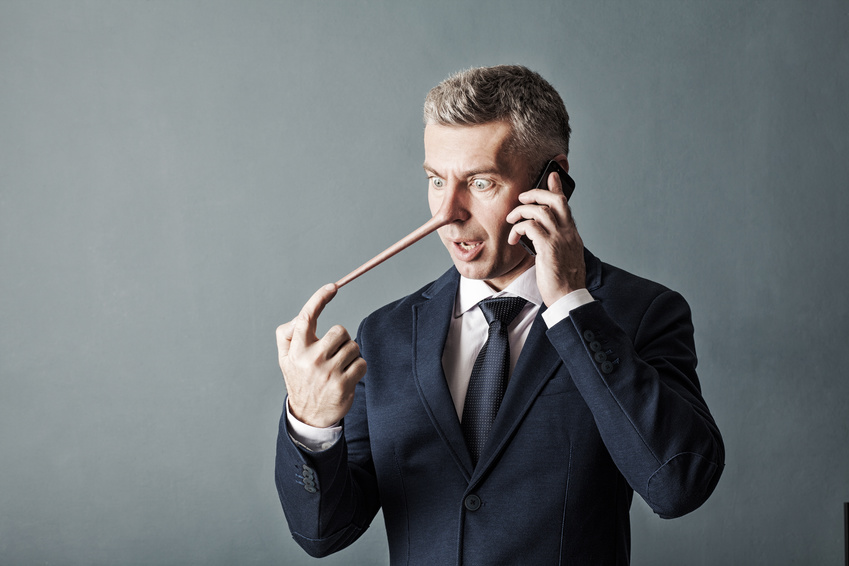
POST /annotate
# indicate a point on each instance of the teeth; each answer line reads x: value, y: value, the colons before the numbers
x: 467, y: 246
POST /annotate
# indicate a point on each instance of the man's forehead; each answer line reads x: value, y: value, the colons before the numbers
x: 476, y: 148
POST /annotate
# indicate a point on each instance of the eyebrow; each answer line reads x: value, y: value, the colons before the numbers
x: 490, y: 170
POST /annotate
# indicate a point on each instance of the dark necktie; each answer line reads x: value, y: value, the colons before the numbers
x: 489, y: 375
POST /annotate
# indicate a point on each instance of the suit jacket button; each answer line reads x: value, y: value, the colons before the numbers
x: 472, y: 502
x: 589, y: 335
x: 595, y: 346
x: 600, y: 357
x: 607, y: 367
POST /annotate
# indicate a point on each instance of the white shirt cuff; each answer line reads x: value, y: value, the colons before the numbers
x: 309, y: 437
x: 560, y: 309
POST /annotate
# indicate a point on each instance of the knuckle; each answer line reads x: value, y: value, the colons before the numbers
x: 358, y: 368
x: 352, y: 347
x: 337, y: 332
x: 339, y: 329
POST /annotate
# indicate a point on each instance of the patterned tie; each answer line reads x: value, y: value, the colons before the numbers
x: 489, y: 375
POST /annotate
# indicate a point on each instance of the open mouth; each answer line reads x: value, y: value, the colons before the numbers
x: 467, y: 250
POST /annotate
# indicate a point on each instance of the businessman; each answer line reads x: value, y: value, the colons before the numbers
x: 506, y: 412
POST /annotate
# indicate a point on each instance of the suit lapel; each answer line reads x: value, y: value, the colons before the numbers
x: 430, y: 329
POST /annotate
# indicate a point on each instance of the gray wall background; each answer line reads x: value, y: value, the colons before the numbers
x: 177, y: 177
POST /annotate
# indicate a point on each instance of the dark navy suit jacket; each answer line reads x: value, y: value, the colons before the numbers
x: 603, y: 404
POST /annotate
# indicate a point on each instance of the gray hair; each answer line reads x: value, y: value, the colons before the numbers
x: 540, y: 123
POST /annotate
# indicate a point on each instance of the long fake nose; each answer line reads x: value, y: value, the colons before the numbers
x: 448, y: 212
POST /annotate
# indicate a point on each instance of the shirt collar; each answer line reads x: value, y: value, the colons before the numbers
x: 472, y: 291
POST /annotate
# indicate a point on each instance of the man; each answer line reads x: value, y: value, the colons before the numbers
x: 529, y: 459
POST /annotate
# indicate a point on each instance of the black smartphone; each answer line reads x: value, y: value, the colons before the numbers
x: 566, y: 182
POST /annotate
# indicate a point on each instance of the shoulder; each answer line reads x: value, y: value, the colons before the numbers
x: 629, y: 295
x: 617, y: 281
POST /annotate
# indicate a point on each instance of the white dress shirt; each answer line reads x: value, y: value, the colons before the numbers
x: 467, y: 333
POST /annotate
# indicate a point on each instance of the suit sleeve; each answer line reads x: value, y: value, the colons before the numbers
x: 646, y: 400
x: 329, y: 497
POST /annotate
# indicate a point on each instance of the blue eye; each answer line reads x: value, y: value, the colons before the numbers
x: 437, y: 182
x: 482, y: 184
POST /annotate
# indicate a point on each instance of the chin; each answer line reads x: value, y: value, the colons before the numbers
x: 494, y: 272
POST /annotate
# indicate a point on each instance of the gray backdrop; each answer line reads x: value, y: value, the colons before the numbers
x: 177, y: 177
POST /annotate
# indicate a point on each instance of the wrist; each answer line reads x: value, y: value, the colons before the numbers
x: 561, y: 308
x: 313, y: 423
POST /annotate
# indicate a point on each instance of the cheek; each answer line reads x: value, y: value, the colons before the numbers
x: 497, y: 220
x: 433, y: 202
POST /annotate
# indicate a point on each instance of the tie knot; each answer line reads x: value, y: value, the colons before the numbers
x: 502, y: 309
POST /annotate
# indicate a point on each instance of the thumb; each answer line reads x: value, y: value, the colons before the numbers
x: 554, y: 183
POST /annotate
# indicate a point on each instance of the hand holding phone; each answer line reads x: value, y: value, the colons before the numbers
x: 566, y: 182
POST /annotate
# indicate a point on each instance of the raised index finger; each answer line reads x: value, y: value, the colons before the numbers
x: 308, y: 317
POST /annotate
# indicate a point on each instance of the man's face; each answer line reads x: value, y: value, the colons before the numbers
x: 475, y: 179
